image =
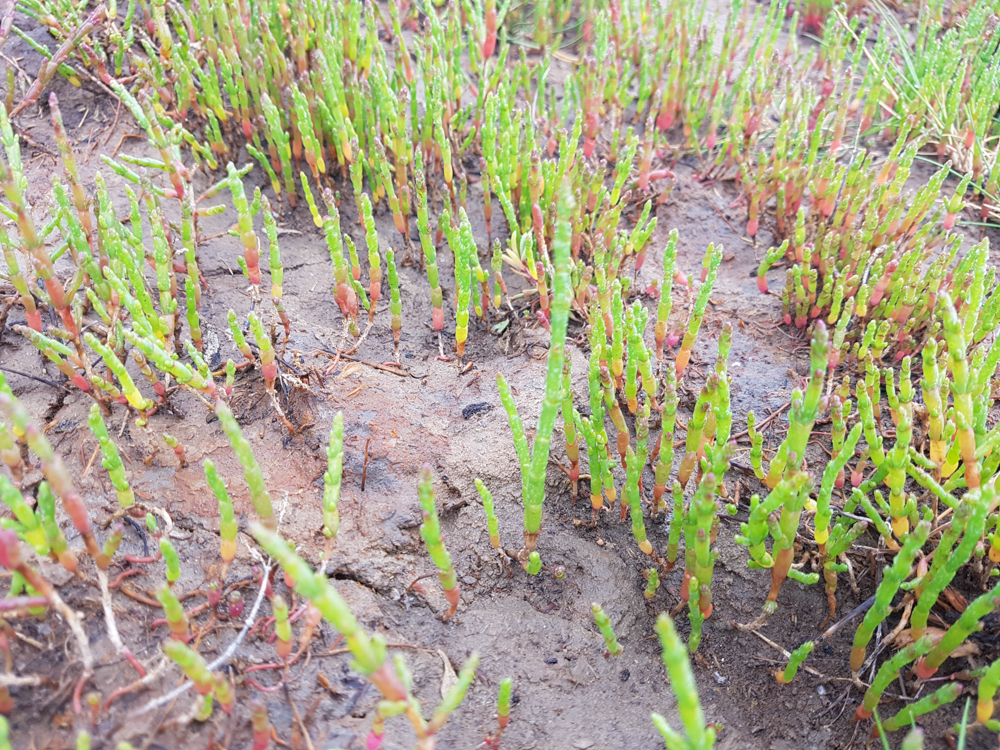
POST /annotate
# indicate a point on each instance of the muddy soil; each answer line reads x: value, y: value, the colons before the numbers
x: 568, y: 692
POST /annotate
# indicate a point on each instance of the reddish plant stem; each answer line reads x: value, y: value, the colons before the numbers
x: 123, y: 575
x: 262, y: 688
x: 143, y: 560
x: 146, y: 679
x: 139, y: 597
x: 49, y: 67
x: 134, y: 662
x: 188, y: 613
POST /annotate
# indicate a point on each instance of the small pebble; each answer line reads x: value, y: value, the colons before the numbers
x: 473, y: 409
x: 625, y: 675
x: 552, y: 661
x: 720, y: 679
x: 583, y: 744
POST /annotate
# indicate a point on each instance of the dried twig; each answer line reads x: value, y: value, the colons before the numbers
x: 786, y: 654
x: 763, y: 423
x: 109, y: 620
x: 224, y: 657
x: 15, y: 680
